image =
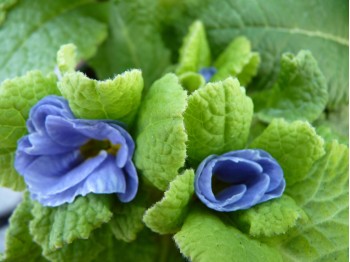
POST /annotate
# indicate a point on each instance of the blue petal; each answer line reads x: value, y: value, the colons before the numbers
x: 132, y: 182
x: 236, y: 170
x: 64, y: 132
x: 43, y: 145
x: 277, y: 192
x: 253, y: 195
x: 273, y: 170
x: 40, y: 181
x: 107, y: 178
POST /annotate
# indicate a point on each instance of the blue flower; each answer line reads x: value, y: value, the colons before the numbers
x: 238, y: 180
x: 63, y: 157
x: 207, y: 73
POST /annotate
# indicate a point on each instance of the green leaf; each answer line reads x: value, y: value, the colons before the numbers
x: 295, y: 146
x: 134, y: 41
x: 237, y: 60
x: 323, y: 195
x: 145, y: 248
x: 300, y: 92
x: 55, y: 227
x: 167, y: 215
x: 161, y: 137
x: 8, y: 175
x: 50, y: 25
x: 116, y: 99
x: 204, y: 237
x: 127, y: 220
x: 194, y: 52
x: 191, y: 81
x: 17, y: 97
x: 271, y: 218
x: 275, y: 27
x: 5, y: 5
x: 19, y: 243
x: 67, y: 58
x: 81, y: 249
x: 217, y: 119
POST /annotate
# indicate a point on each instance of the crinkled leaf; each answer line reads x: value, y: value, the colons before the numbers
x: 134, y: 41
x: 323, y: 195
x: 217, y: 119
x: 271, y: 218
x: 161, y: 137
x: 300, y: 92
x: 19, y: 243
x: 145, y: 248
x: 295, y: 146
x: 204, y: 237
x: 17, y: 96
x: 8, y: 175
x: 56, y: 227
x: 329, y: 134
x: 49, y: 24
x: 80, y: 250
x: 67, y: 58
x: 127, y: 220
x: 237, y: 60
x: 275, y: 27
x: 167, y: 215
x: 116, y: 99
x: 194, y: 52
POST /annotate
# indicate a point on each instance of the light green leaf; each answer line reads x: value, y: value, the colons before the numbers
x: 49, y: 24
x: 127, y: 220
x: 217, y: 119
x: 204, y: 237
x: 194, y: 52
x: 161, y: 137
x: 237, y: 60
x: 19, y: 243
x: 271, y: 218
x: 8, y: 175
x: 134, y: 41
x: 17, y: 97
x: 275, y: 27
x: 116, y: 99
x: 67, y: 58
x: 295, y: 146
x: 300, y: 92
x: 55, y: 227
x: 191, y: 81
x: 323, y: 195
x: 167, y: 215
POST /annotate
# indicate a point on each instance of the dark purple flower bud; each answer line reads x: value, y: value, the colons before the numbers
x: 63, y: 157
x: 238, y: 180
x: 207, y: 73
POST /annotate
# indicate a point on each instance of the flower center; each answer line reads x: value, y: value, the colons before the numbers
x: 218, y: 185
x: 93, y: 147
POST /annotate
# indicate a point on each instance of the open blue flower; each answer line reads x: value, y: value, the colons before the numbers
x: 63, y: 157
x: 238, y: 180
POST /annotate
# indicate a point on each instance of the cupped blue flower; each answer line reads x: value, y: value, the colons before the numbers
x: 238, y: 180
x: 63, y: 157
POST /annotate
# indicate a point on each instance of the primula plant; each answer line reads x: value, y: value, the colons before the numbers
x: 175, y: 130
